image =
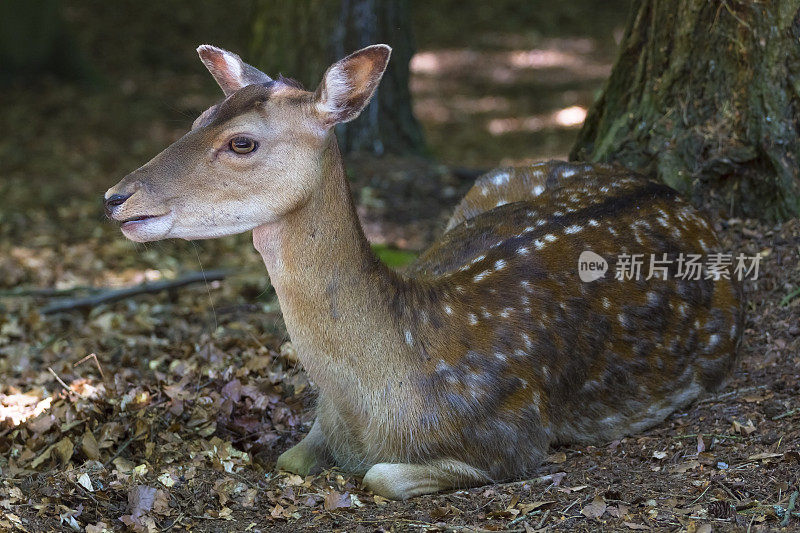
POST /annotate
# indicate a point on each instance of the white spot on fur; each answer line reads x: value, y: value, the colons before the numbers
x: 567, y: 172
x: 500, y: 202
x: 593, y: 223
x: 606, y: 302
x: 500, y: 264
x: 575, y: 228
x: 473, y: 319
x: 522, y: 250
x: 409, y: 338
x: 481, y: 275
x: 527, y: 340
x: 448, y: 309
x: 499, y: 179
x: 550, y: 237
x: 538, y: 190
x: 538, y: 244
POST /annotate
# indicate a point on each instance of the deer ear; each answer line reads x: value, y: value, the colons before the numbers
x: 229, y: 70
x: 349, y: 84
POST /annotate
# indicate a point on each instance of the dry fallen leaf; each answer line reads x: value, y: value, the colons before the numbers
x: 337, y: 500
x: 85, y: 482
x: 764, y: 456
x: 89, y: 446
x: 63, y: 450
x: 141, y: 499
x: 526, y: 508
x: 557, y: 458
x: 596, y: 509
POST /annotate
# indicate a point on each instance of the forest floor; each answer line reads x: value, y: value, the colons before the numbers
x: 176, y: 422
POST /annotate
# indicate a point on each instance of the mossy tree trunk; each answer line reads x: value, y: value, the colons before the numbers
x: 302, y: 38
x: 706, y: 95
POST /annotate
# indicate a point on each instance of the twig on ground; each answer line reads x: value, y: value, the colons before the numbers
x: 786, y: 414
x: 729, y: 394
x: 789, y: 509
x: 108, y: 296
x: 122, y: 449
x: 522, y: 517
x: 96, y: 362
x: 709, y: 435
x: 45, y: 292
x: 61, y: 381
x: 544, y: 518
x: 564, y: 512
x: 701, y: 495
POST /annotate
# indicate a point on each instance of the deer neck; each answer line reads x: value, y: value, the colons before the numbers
x: 332, y: 292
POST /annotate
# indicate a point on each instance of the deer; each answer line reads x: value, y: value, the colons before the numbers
x: 467, y: 366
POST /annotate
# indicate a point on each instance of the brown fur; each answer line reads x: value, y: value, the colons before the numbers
x: 466, y: 369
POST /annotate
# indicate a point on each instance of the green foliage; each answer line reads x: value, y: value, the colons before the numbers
x: 789, y: 297
x: 393, y: 257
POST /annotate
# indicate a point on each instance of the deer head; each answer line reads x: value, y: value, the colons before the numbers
x: 248, y: 160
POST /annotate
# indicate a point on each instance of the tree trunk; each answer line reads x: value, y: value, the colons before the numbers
x: 302, y: 38
x: 35, y: 41
x: 706, y: 95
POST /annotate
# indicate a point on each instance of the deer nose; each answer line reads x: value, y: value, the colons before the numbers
x: 113, y: 201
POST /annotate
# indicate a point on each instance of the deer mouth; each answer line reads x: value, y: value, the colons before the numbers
x: 145, y: 228
x: 139, y: 219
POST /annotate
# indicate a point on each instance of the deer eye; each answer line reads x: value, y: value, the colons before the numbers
x: 243, y: 145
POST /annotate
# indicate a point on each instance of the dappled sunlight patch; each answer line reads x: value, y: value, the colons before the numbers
x: 510, y: 66
x: 523, y: 97
x: 432, y: 110
x: 570, y: 117
x: 17, y: 408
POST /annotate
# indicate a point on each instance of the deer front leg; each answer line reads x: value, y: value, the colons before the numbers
x: 306, y: 454
x: 400, y: 481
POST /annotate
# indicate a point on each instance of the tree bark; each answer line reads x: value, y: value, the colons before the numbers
x: 302, y: 38
x: 706, y: 95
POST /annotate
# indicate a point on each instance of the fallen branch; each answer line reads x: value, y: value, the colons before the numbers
x: 45, y: 292
x: 108, y: 296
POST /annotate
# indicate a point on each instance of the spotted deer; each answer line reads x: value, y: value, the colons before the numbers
x: 465, y: 368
